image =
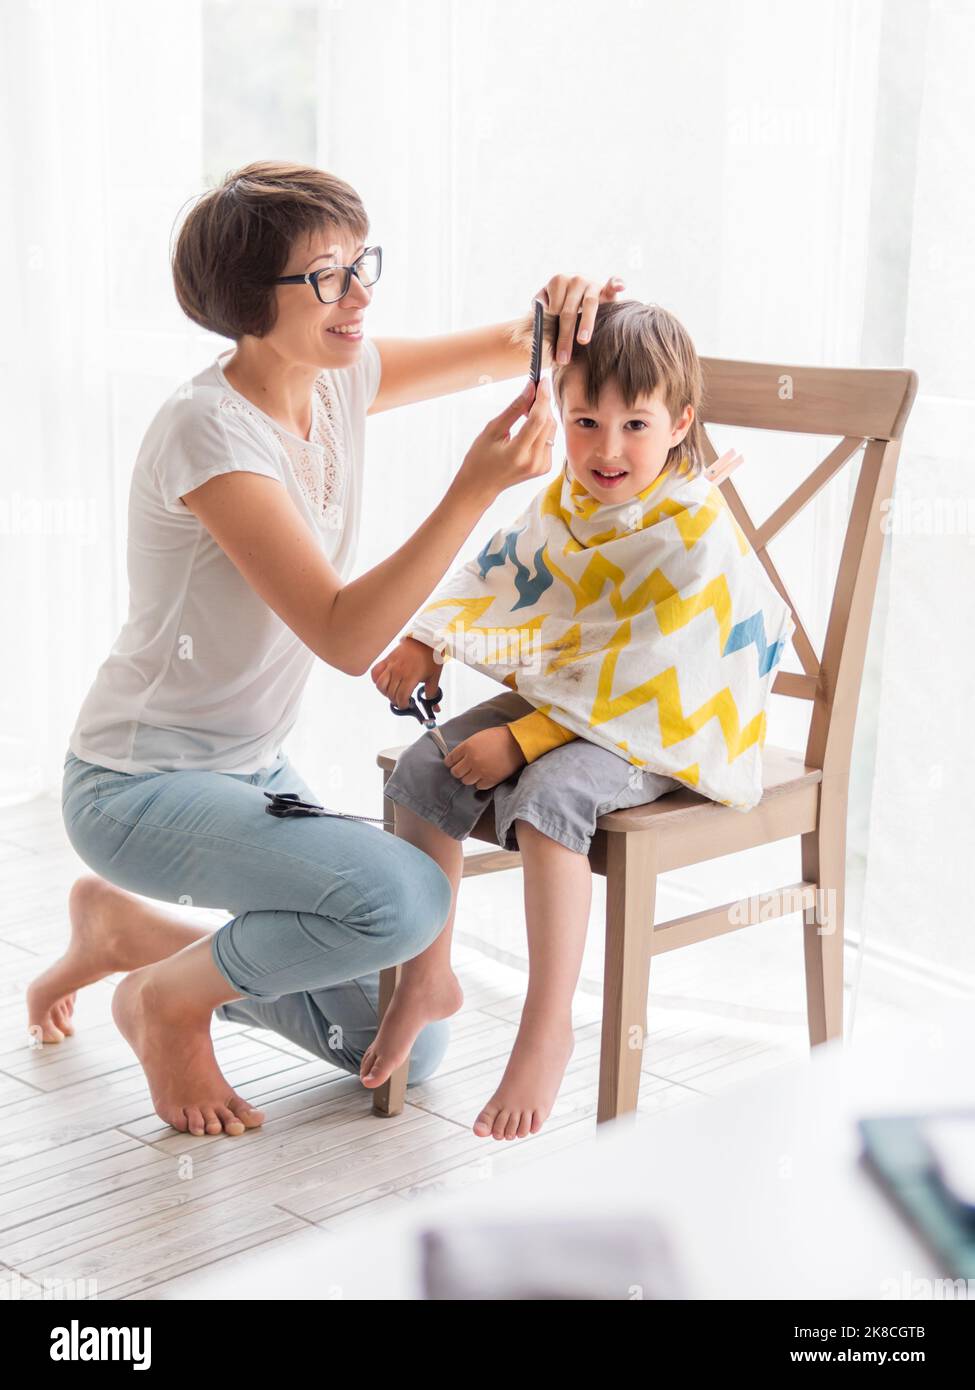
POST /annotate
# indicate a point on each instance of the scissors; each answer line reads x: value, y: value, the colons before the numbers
x: 282, y: 804
x: 425, y: 715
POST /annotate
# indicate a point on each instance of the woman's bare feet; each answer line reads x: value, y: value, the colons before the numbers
x: 417, y: 1000
x: 521, y: 1104
x: 111, y: 930
x: 172, y: 1041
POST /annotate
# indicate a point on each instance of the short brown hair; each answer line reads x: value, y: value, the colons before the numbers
x: 639, y: 347
x: 237, y: 238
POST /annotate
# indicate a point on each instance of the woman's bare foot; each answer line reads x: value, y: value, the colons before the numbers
x: 521, y: 1104
x: 417, y: 1000
x: 173, y: 1043
x: 111, y: 930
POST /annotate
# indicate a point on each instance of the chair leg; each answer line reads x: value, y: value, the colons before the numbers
x: 631, y: 885
x: 389, y: 1098
x: 824, y: 863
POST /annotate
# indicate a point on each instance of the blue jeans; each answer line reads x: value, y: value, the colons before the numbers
x: 321, y: 904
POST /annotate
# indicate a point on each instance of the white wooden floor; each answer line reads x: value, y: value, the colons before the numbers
x: 97, y: 1196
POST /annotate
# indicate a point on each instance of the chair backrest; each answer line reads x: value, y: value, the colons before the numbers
x: 869, y: 409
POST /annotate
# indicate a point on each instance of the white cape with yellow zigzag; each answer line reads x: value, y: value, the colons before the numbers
x: 648, y: 627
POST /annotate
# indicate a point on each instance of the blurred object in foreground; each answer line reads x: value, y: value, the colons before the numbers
x: 570, y: 1257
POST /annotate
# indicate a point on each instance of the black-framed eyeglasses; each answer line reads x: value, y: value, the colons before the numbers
x: 332, y: 282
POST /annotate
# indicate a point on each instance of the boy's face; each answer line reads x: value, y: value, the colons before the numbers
x: 613, y: 451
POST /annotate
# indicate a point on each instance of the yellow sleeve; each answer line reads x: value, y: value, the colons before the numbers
x: 535, y: 734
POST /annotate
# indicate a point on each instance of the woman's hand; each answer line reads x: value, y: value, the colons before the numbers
x: 497, y: 459
x: 572, y: 295
x: 486, y: 758
x: 398, y: 674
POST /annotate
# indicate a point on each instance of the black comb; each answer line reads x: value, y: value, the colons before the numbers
x: 535, y: 370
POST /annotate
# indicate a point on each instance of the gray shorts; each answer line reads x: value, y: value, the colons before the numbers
x: 562, y: 793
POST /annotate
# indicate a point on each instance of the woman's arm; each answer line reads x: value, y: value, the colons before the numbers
x: 255, y: 522
x: 417, y: 369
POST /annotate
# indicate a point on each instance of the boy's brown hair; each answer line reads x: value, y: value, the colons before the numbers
x: 237, y: 238
x: 639, y: 347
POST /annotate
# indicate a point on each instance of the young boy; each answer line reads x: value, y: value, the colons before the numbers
x: 579, y: 580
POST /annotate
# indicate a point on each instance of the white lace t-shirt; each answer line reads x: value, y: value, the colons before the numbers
x: 203, y: 674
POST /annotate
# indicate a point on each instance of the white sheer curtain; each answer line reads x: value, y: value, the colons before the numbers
x: 101, y: 144
x: 789, y: 180
x: 920, y: 831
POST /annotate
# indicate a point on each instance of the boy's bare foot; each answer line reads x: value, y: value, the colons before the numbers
x: 111, y: 930
x: 417, y: 1001
x: 521, y: 1104
x: 173, y: 1043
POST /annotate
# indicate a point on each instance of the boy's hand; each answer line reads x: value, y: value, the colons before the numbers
x: 486, y: 758
x: 574, y: 299
x: 398, y: 674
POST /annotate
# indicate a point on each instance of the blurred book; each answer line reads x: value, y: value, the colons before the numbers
x: 926, y: 1163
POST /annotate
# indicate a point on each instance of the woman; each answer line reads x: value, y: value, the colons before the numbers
x: 243, y: 519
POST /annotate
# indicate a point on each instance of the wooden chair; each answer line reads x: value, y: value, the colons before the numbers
x: 804, y: 794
